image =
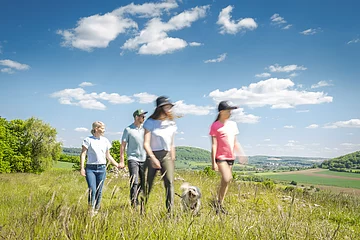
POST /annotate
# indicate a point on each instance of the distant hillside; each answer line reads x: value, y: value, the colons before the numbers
x: 347, y: 163
x: 192, y: 153
x: 182, y: 153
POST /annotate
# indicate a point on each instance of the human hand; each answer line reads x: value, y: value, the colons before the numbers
x: 82, y: 172
x: 121, y: 165
x: 215, y: 167
x: 155, y: 164
x: 243, y: 159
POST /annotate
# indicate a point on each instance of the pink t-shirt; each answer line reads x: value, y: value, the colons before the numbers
x: 225, y: 135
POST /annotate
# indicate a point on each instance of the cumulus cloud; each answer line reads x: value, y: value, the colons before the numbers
x: 321, y: 84
x: 81, y: 129
x: 86, y: 84
x: 97, y: 31
x: 287, y: 68
x: 263, y: 75
x: 79, y: 97
x: 215, y: 60
x: 238, y: 115
x: 145, y: 97
x: 303, y: 111
x: 352, y: 123
x: 310, y: 31
x: 229, y: 26
x: 12, y: 65
x: 274, y: 92
x: 355, y: 40
x: 182, y: 108
x: 312, y: 126
x: 154, y: 39
x: 289, y: 126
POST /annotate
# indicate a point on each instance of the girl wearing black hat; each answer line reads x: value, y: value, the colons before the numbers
x: 224, y: 144
x: 159, y: 145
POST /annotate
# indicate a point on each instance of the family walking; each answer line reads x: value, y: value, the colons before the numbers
x: 149, y: 146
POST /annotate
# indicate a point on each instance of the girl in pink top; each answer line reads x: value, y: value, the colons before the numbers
x: 224, y: 144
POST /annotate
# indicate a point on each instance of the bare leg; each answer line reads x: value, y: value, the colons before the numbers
x: 226, y: 176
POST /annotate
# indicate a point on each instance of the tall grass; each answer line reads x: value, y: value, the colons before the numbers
x: 53, y: 205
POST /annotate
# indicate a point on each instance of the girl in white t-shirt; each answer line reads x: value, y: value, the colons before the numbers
x: 96, y: 148
x: 159, y: 146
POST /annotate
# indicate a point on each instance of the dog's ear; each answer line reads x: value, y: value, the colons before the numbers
x: 184, y: 186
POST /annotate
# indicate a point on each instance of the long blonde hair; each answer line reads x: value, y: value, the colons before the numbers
x: 96, y: 125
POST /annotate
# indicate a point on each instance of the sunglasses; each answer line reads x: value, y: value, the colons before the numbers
x: 141, y: 116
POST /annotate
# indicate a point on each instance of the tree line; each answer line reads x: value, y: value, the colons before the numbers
x: 347, y: 163
x: 27, y: 145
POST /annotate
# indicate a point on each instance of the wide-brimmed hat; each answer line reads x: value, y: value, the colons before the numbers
x: 162, y: 101
x: 224, y: 105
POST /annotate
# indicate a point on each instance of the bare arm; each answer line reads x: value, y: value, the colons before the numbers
x: 154, y: 161
x: 243, y: 159
x: 172, y: 150
x: 213, y: 152
x: 111, y: 159
x: 82, y: 160
x: 122, y: 154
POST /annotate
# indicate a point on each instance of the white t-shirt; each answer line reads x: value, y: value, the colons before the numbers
x: 162, y: 133
x: 96, y: 149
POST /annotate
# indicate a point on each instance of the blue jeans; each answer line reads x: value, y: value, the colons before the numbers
x: 95, y: 177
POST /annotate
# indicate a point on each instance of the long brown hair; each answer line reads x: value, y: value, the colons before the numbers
x: 160, y: 111
x: 217, y: 118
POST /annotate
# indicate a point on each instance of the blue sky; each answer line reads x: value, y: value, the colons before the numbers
x: 291, y: 66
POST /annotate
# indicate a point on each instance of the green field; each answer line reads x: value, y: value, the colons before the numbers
x: 341, y: 174
x: 52, y: 205
x: 63, y: 165
x: 315, y: 180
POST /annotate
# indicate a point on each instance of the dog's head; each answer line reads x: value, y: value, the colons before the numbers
x: 190, y: 192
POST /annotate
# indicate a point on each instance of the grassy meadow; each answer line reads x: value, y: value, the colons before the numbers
x: 53, y: 205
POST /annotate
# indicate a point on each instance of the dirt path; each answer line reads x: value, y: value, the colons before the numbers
x: 314, y: 172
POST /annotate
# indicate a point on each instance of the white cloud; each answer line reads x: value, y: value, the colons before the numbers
x: 180, y: 138
x: 350, y: 145
x: 277, y: 19
x: 145, y: 97
x: 287, y: 68
x: 287, y: 27
x: 81, y: 129
x: 277, y: 93
x: 267, y: 140
x: 295, y: 75
x: 302, y: 111
x: 182, y: 108
x: 312, y: 126
x: 86, y: 84
x: 352, y: 123
x: 230, y: 26
x: 310, y: 31
x: 1, y: 47
x: 114, y: 133
x: 289, y: 126
x: 238, y: 115
x: 263, y: 75
x: 7, y: 70
x: 219, y: 59
x: 78, y: 97
x: 153, y: 39
x: 321, y: 84
x: 195, y: 44
x: 355, y: 40
x: 13, y: 65
x: 97, y: 31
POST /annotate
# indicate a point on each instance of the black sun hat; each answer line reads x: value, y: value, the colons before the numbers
x: 224, y: 105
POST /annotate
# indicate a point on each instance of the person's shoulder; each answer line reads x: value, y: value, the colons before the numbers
x: 215, y: 124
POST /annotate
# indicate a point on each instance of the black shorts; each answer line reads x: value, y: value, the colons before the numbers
x: 229, y: 162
